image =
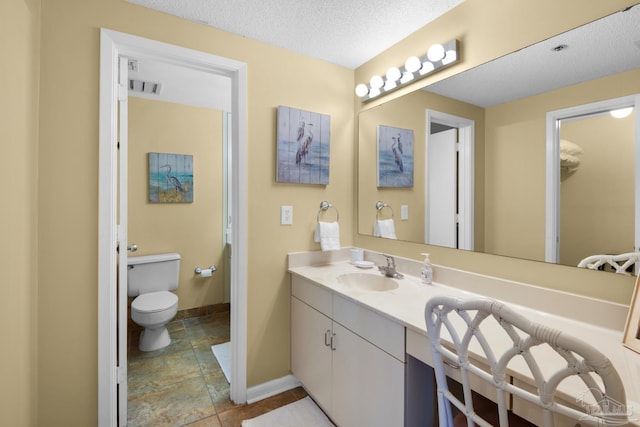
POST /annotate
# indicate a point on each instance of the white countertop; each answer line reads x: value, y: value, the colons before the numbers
x: 599, y: 322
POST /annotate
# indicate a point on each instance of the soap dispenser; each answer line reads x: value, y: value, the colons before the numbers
x: 427, y: 270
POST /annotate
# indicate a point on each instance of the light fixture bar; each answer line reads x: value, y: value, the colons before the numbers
x: 436, y: 58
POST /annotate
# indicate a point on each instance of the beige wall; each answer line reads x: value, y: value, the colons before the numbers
x: 69, y: 194
x: 19, y: 46
x: 597, y: 203
x: 488, y: 30
x: 194, y: 230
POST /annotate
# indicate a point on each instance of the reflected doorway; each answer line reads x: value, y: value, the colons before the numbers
x: 449, y: 186
x: 570, y: 171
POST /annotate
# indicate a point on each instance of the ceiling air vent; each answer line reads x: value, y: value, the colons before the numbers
x: 151, y: 88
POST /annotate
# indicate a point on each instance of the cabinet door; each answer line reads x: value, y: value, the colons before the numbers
x: 310, y: 357
x: 368, y: 383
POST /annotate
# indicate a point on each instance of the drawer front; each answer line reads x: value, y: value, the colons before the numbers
x: 312, y: 294
x: 378, y: 330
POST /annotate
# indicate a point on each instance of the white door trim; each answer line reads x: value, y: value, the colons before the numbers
x: 112, y: 45
x: 552, y: 210
x: 466, y: 182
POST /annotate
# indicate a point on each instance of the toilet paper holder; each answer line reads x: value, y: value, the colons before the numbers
x: 200, y: 271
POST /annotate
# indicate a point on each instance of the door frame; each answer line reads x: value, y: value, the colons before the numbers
x: 552, y: 210
x: 466, y: 182
x: 114, y: 44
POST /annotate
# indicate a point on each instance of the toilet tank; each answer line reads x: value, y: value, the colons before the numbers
x: 152, y: 273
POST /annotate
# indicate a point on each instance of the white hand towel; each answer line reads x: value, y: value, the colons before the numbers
x: 328, y: 234
x: 385, y: 228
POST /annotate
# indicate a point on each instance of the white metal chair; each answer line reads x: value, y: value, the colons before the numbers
x: 466, y: 344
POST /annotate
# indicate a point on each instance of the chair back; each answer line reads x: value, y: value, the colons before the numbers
x: 465, y: 335
x: 620, y: 263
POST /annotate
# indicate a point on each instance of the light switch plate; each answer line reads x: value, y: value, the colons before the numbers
x: 286, y: 215
x: 404, y: 212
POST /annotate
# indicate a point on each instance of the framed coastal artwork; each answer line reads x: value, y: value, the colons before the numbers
x: 303, y: 143
x: 631, y: 338
x: 395, y: 157
x: 170, y: 178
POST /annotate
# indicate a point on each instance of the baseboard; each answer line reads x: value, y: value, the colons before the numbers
x: 271, y: 388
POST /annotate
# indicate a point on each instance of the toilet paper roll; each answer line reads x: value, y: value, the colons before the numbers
x: 206, y: 272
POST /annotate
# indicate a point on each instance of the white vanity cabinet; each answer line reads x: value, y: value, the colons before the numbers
x: 349, y: 358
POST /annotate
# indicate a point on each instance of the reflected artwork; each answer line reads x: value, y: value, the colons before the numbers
x: 395, y: 157
x: 303, y: 146
x: 170, y: 178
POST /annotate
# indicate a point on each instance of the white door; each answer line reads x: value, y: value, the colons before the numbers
x: 442, y: 189
x: 122, y: 238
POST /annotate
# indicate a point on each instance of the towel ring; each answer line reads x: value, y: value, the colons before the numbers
x: 379, y: 207
x: 324, y: 206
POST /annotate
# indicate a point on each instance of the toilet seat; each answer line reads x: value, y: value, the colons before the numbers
x: 154, y: 302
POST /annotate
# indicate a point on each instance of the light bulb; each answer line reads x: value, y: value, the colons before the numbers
x: 389, y: 84
x: 621, y: 113
x: 435, y: 53
x: 362, y: 90
x: 450, y: 57
x: 412, y: 64
x: 374, y: 92
x: 427, y: 67
x: 393, y: 74
x: 376, y: 82
x: 406, y: 77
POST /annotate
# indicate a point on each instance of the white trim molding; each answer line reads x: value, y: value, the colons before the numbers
x: 271, y: 388
x: 552, y: 209
x: 113, y: 45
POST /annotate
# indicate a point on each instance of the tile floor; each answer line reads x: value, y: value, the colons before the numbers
x: 183, y: 385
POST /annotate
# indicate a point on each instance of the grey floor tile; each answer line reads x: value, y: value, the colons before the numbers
x: 174, y: 404
x: 183, y: 383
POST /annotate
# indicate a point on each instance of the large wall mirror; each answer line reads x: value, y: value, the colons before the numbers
x: 497, y: 113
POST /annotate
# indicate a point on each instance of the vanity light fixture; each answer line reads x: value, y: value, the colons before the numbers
x: 438, y: 56
x: 621, y: 113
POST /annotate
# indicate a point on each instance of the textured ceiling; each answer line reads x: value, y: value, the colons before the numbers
x: 344, y: 32
x: 604, y: 47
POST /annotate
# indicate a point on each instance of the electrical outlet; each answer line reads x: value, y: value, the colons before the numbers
x: 404, y: 212
x: 286, y: 215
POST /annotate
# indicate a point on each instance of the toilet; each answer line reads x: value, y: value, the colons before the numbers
x: 150, y: 279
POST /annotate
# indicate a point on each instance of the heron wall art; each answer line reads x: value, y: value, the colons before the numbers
x: 303, y: 146
x: 395, y: 157
x: 170, y: 178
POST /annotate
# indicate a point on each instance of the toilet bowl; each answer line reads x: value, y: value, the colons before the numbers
x: 153, y: 311
x: 150, y: 279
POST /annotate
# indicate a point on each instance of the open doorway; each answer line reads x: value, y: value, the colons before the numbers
x: 116, y: 48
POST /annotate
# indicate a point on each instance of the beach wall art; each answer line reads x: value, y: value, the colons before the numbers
x: 303, y: 142
x: 170, y: 178
x: 395, y: 157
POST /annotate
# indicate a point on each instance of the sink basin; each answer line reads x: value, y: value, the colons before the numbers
x: 368, y: 282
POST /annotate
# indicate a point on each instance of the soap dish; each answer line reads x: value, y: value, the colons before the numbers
x: 364, y: 264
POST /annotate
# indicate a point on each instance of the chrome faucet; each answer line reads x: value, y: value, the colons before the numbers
x: 389, y: 270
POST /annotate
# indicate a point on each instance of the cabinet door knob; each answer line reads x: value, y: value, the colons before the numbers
x: 333, y: 342
x: 327, y: 339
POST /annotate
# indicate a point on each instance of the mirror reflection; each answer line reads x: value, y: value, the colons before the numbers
x: 496, y: 181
